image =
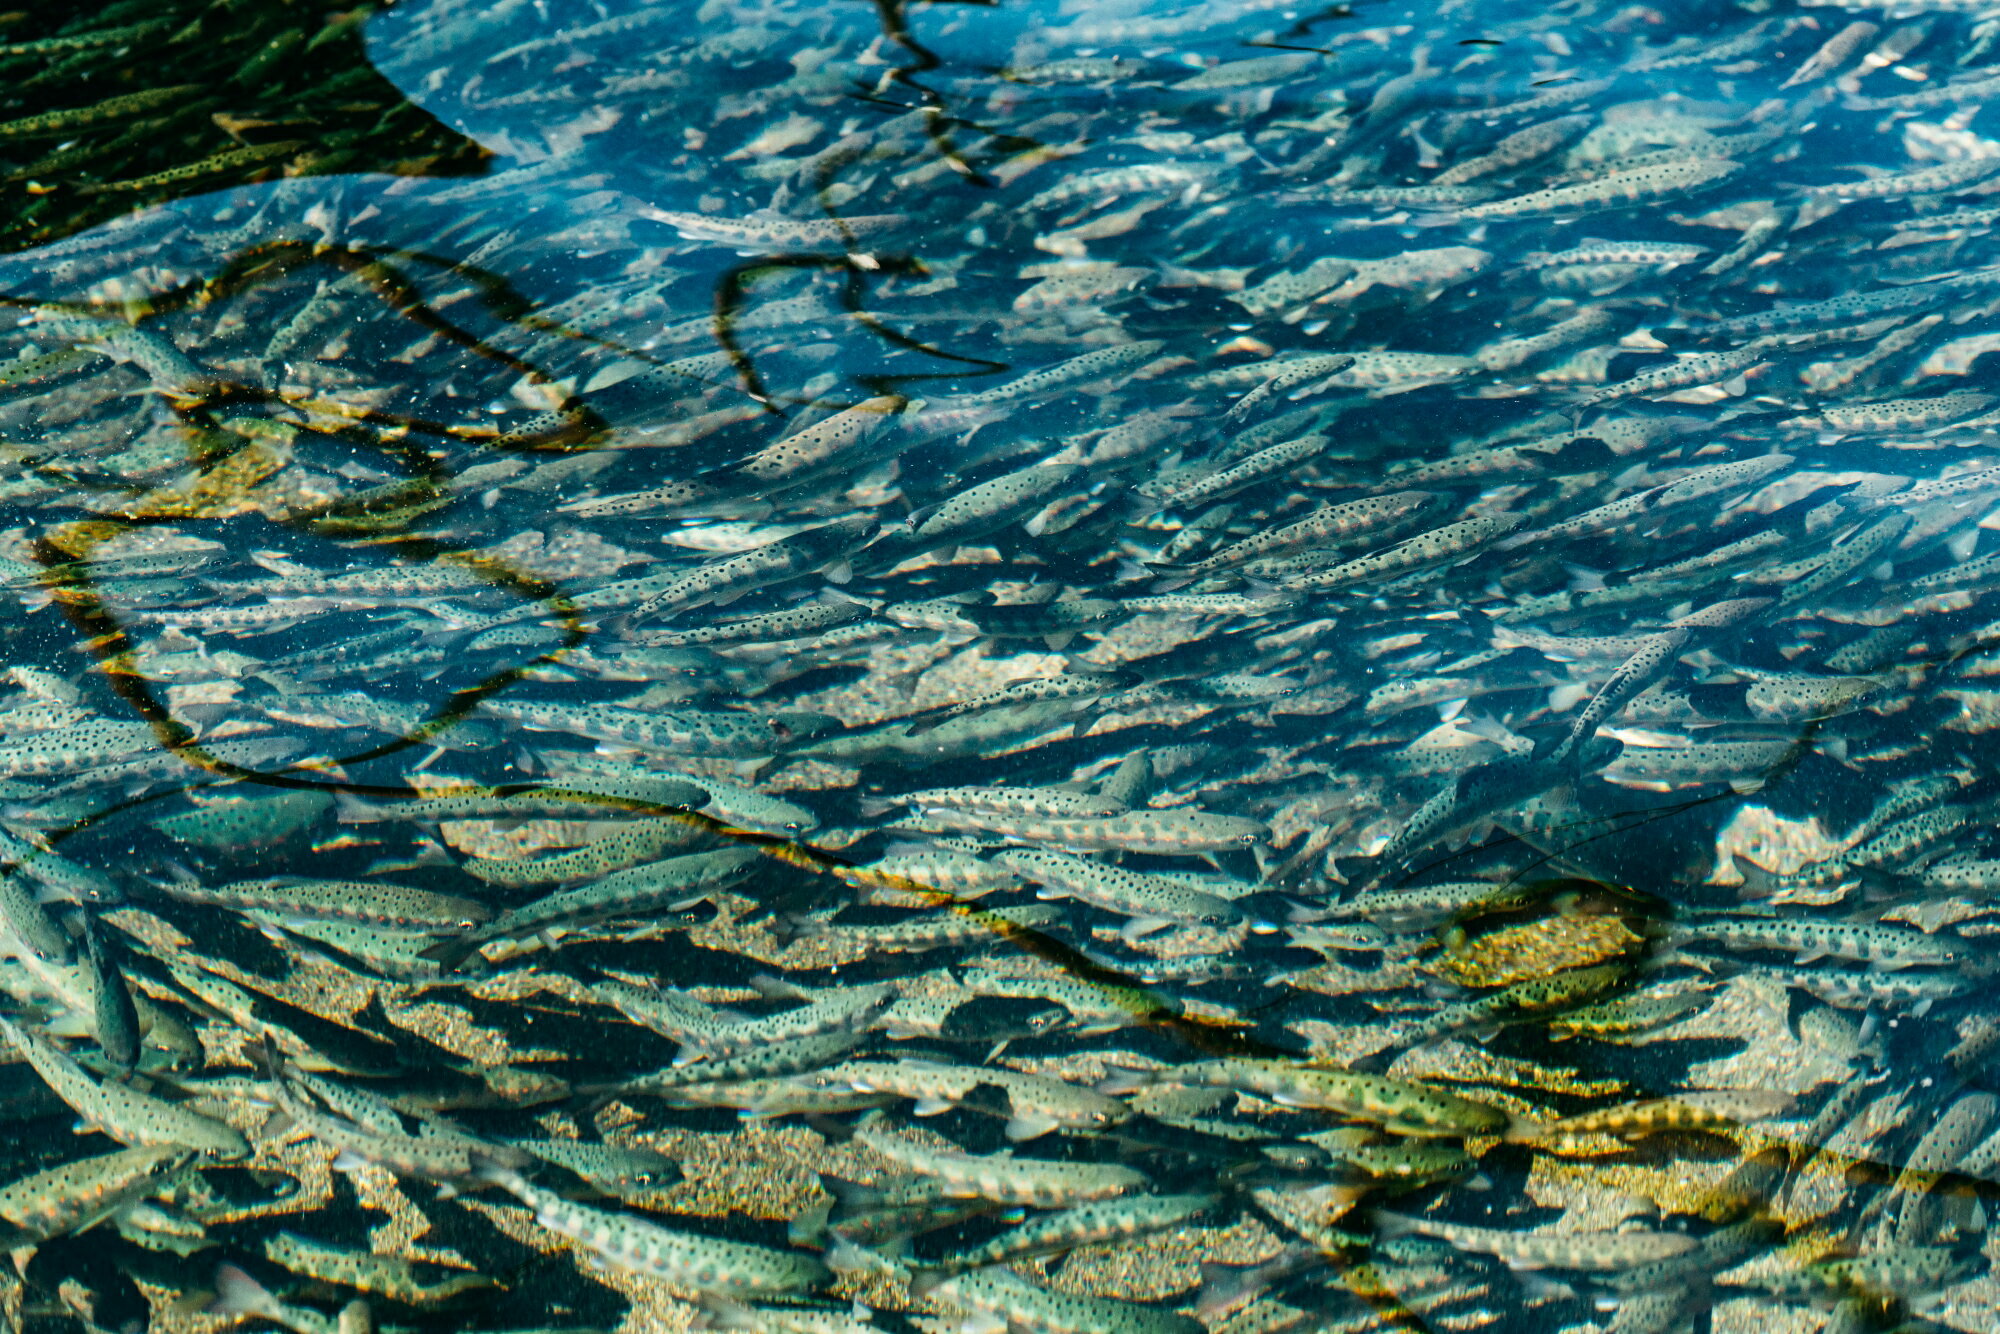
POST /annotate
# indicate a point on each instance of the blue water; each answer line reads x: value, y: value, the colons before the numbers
x: 330, y: 488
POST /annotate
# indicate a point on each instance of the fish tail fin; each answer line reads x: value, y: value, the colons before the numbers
x: 809, y: 1227
x: 354, y: 810
x: 777, y: 988
x: 1392, y: 1224
x: 1353, y: 870
x: 449, y: 954
x: 1166, y: 578
x: 491, y: 1171
x: 845, y: 1257
x: 1758, y: 882
x: 238, y: 1294
x: 787, y: 927
x: 1128, y: 1081
x: 1224, y: 1289
x: 715, y: 1312
x: 850, y: 1197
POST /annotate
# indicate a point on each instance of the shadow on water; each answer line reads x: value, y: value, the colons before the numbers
x: 112, y: 108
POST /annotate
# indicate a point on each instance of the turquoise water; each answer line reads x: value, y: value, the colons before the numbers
x: 1121, y: 669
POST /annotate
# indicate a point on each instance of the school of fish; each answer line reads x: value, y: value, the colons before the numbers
x: 1149, y: 667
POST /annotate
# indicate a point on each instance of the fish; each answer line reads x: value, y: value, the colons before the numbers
x: 663, y: 884
x: 1058, y: 803
x: 1521, y: 1002
x: 1176, y: 830
x: 626, y: 846
x: 686, y: 1259
x: 1328, y: 526
x: 1195, y: 594
x: 126, y: 1115
x: 810, y: 450
x: 723, y: 581
x: 1034, y: 1105
x: 707, y: 1033
x: 1083, y: 1225
x: 1613, y: 190
x: 1398, y: 1105
x: 73, y: 1195
x: 1880, y: 944
x: 1003, y: 1295
x: 772, y: 1060
x: 1146, y: 900
x: 381, y: 1275
x: 1925, y: 1211
x: 979, y: 511
x: 367, y: 902
x: 1003, y: 1179
x: 1898, y: 1271
x: 1587, y: 1251
x: 1704, y: 1110
x: 936, y: 931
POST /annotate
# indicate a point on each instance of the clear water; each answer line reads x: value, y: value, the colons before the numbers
x: 404, y: 410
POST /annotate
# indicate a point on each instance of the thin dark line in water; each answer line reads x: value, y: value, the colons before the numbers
x: 730, y: 290
x: 889, y: 13
x: 877, y: 100
x: 107, y: 640
x: 402, y: 297
x: 1801, y: 747
x: 732, y: 287
x: 67, y: 547
x: 1305, y: 25
x: 1289, y: 46
x: 398, y: 294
